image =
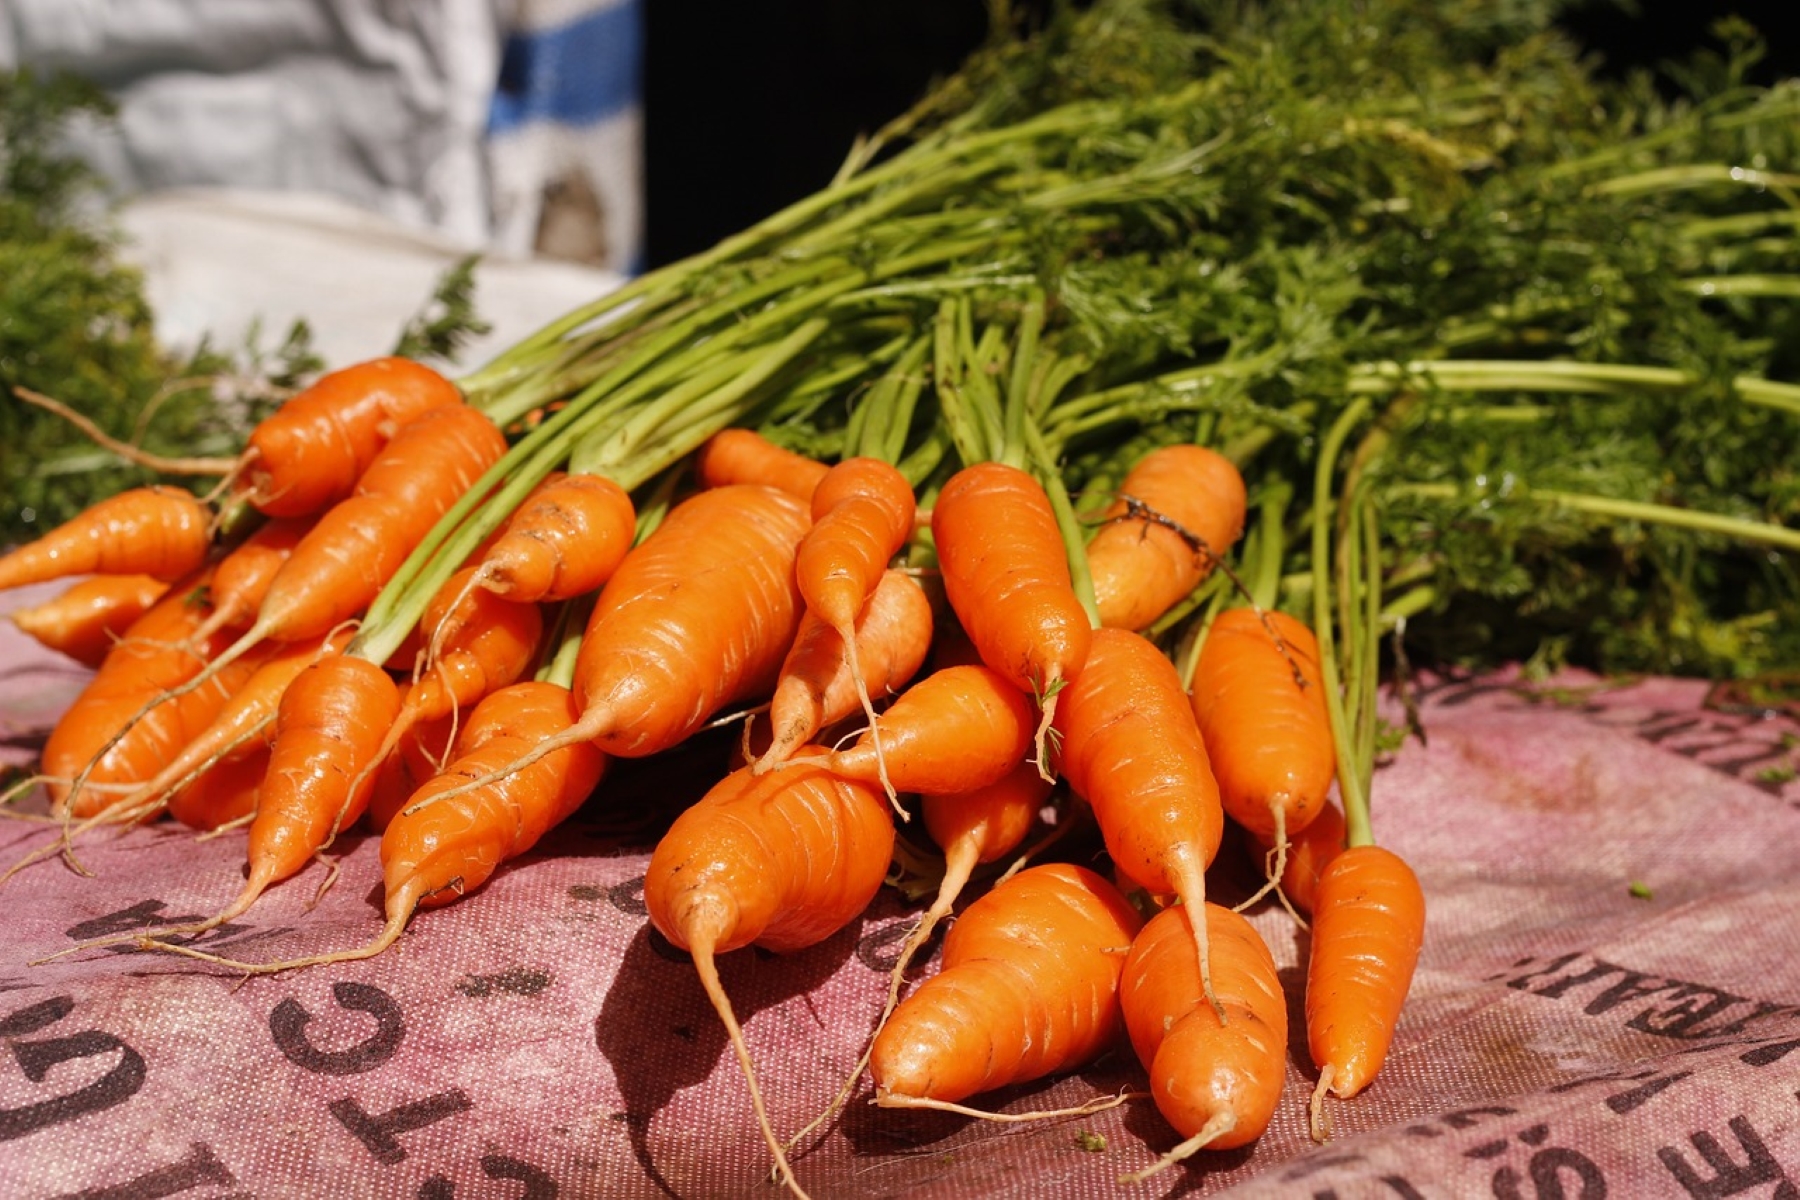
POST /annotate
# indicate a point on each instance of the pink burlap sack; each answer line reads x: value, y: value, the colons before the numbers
x: 1608, y: 1003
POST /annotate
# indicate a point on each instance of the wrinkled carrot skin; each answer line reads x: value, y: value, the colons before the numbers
x: 1132, y: 750
x: 1269, y: 734
x: 955, y: 730
x: 1029, y: 987
x: 158, y: 530
x: 225, y: 792
x: 88, y: 617
x: 815, y: 687
x: 330, y: 723
x: 151, y: 658
x: 1368, y: 926
x: 491, y: 643
x: 1007, y: 577
x: 310, y: 452
x: 1309, y: 853
x: 1198, y: 1068
x: 1140, y: 565
x: 734, y: 456
x: 436, y: 851
x: 699, y: 615
x: 358, y: 545
x: 989, y: 821
x: 422, y: 753
x: 862, y: 515
x: 566, y: 539
x: 782, y: 861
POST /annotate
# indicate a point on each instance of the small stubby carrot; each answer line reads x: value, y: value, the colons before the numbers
x: 309, y: 454
x: 816, y: 689
x: 1216, y: 1070
x: 223, y: 794
x: 155, y: 530
x: 565, y: 540
x: 1006, y: 575
x: 951, y: 731
x: 1368, y: 928
x: 1029, y: 987
x: 84, y: 620
x: 1181, y: 508
x: 782, y: 861
x: 1259, y: 698
x: 746, y: 456
x: 1131, y: 748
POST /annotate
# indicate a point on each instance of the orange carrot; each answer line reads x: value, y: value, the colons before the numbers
x: 450, y: 839
x: 816, y: 688
x: 1260, y: 702
x: 224, y: 793
x: 1180, y: 509
x: 422, y: 754
x: 955, y: 730
x: 243, y: 575
x: 310, y: 453
x: 1131, y: 748
x: 86, y: 618
x: 1029, y: 987
x: 160, y: 531
x: 781, y: 861
x: 1309, y: 852
x: 1368, y: 925
x: 745, y: 456
x: 565, y: 540
x: 1007, y: 577
x: 1216, y: 1076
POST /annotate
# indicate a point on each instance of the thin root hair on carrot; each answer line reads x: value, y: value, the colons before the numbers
x: 1216, y: 1128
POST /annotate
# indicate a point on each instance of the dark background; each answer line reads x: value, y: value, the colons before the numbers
x: 751, y: 106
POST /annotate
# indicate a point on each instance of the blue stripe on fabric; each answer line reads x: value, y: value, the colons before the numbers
x: 577, y: 73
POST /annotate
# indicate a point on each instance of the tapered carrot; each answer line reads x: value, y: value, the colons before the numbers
x: 223, y: 794
x: 450, y: 839
x: 815, y: 687
x: 1181, y: 507
x: 1260, y: 702
x: 862, y: 513
x: 1216, y: 1069
x: 1368, y: 926
x: 243, y: 575
x: 84, y: 620
x: 1309, y: 852
x: 309, y: 454
x: 422, y: 754
x: 157, y: 530
x: 954, y: 730
x: 745, y: 456
x: 566, y: 539
x: 782, y: 861
x: 1132, y: 750
x: 1029, y: 987
x: 1006, y: 575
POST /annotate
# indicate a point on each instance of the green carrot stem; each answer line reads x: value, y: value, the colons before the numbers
x: 1352, y: 787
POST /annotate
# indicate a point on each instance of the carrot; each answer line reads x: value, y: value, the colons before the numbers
x: 1006, y: 575
x: 310, y: 453
x: 815, y: 687
x: 565, y: 540
x: 1260, y: 702
x: 1132, y: 750
x: 745, y: 456
x: 1180, y: 508
x: 955, y: 730
x: 223, y: 794
x: 450, y: 839
x: 1215, y: 1076
x: 243, y: 575
x: 1309, y: 853
x: 85, y: 619
x: 422, y: 754
x: 1029, y: 987
x: 157, y: 530
x: 1368, y: 926
x: 781, y: 861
